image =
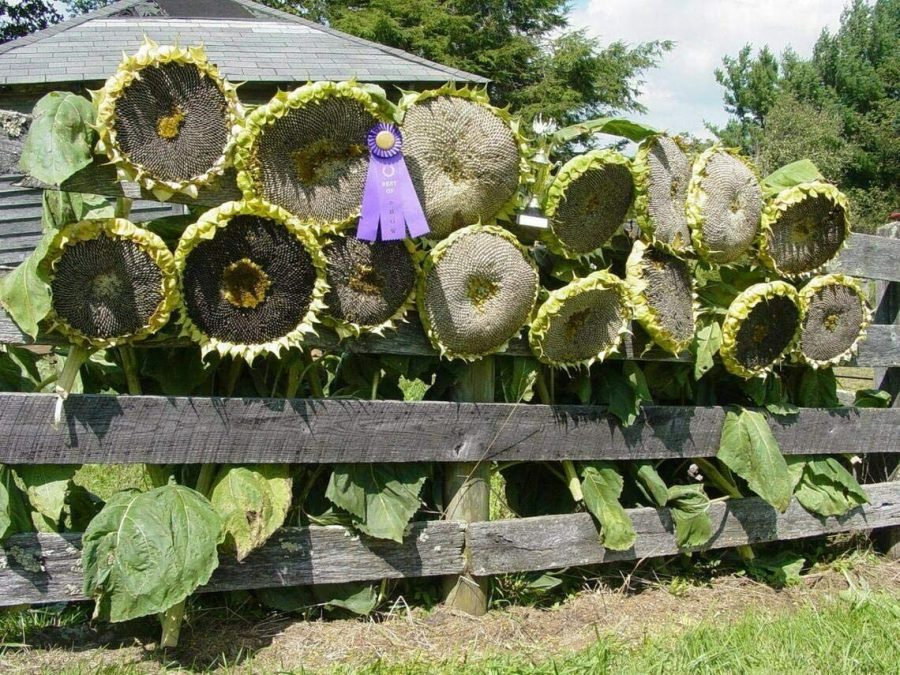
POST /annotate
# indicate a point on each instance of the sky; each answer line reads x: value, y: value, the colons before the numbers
x: 683, y: 93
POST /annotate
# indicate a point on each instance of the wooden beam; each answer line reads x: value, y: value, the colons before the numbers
x: 98, y: 429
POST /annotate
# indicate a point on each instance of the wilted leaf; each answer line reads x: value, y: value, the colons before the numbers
x: 602, y: 485
x: 19, y: 369
x: 828, y: 489
x: 706, y: 345
x: 782, y: 569
x: 650, y: 482
x: 46, y: 486
x: 414, y: 389
x: 359, y: 598
x: 25, y: 292
x: 689, y: 507
x: 253, y: 502
x: 60, y: 139
x: 802, y: 171
x: 147, y: 551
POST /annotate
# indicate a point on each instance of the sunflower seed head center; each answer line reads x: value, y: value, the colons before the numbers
x: 366, y: 280
x: 576, y: 322
x: 168, y: 126
x: 831, y: 322
x: 321, y: 160
x: 480, y: 290
x: 244, y: 284
x: 107, y: 285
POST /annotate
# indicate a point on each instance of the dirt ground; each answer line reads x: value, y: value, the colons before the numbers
x: 639, y: 607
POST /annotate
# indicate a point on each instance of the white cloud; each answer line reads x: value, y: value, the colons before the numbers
x: 682, y: 93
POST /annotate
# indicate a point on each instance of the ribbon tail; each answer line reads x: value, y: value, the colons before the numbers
x: 370, y: 212
x: 392, y: 227
x: 412, y: 208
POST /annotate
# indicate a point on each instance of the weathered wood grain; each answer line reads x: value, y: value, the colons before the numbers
x: 161, y: 430
x: 38, y: 568
x: 870, y: 256
x: 549, y: 542
x: 887, y: 311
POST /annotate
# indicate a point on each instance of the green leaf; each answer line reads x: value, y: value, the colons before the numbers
x: 14, y: 512
x: 170, y: 228
x: 60, y: 139
x: 782, y: 569
x: 828, y: 489
x: 253, y: 502
x: 796, y: 464
x: 382, y: 498
x: 615, y: 126
x: 46, y: 486
x: 637, y: 381
x: 650, y: 482
x: 802, y: 171
x: 872, y: 398
x: 689, y: 507
x: 623, y: 400
x: 290, y: 599
x: 749, y: 449
x: 517, y: 377
x: 602, y: 485
x: 359, y: 598
x: 147, y: 551
x: 707, y: 342
x: 20, y: 369
x: 818, y: 389
x: 414, y: 389
x: 62, y: 208
x: 25, y: 292
x: 179, y: 371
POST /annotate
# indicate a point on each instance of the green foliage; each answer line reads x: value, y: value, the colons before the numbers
x: 518, y: 376
x: 779, y: 570
x: 60, y: 139
x: 872, y: 398
x: 706, y: 344
x: 624, y: 392
x: 14, y: 515
x: 47, y: 486
x: 358, y: 598
x: 25, y: 292
x: 689, y: 507
x: 825, y: 487
x: 601, y: 484
x: 20, y: 17
x: 147, y: 551
x: 62, y: 208
x: 789, y: 175
x: 650, y: 483
x: 531, y: 489
x: 818, y: 389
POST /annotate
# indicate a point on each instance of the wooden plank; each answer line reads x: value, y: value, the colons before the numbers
x: 549, y: 542
x: 40, y: 568
x: 887, y: 311
x: 870, y: 256
x: 160, y: 430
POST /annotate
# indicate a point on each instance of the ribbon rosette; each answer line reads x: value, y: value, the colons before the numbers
x: 389, y: 198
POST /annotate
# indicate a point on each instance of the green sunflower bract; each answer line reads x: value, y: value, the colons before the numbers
x: 835, y: 317
x: 803, y: 228
x: 167, y: 120
x: 587, y: 201
x: 466, y: 158
x: 662, y: 172
x: 477, y: 289
x: 762, y: 325
x: 724, y: 205
x: 581, y: 323
x: 252, y: 280
x: 661, y: 288
x: 306, y: 151
x: 112, y: 282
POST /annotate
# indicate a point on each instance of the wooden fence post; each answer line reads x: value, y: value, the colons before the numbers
x: 467, y: 489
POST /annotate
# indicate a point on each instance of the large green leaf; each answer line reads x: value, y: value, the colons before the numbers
x: 707, y: 342
x: 615, y: 126
x: 46, y: 486
x: 649, y: 482
x: 802, y: 171
x: 828, y: 489
x: 382, y: 498
x: 749, y: 449
x: 147, y: 551
x: 14, y: 512
x: 689, y: 507
x: 253, y: 502
x: 517, y: 377
x: 818, y: 389
x: 62, y: 208
x: 25, y: 292
x: 601, y: 484
x: 60, y: 139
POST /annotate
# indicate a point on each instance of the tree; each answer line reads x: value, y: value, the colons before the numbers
x: 21, y: 17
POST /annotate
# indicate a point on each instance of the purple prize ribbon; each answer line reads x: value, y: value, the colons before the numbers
x: 390, y: 205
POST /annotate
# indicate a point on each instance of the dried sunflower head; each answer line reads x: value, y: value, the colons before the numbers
x: 724, y: 205
x: 252, y: 280
x: 803, y: 228
x: 305, y: 151
x: 761, y: 325
x: 111, y: 282
x: 166, y: 119
x: 477, y: 289
x: 662, y: 171
x: 582, y: 322
x: 371, y: 284
x: 466, y: 158
x: 587, y: 201
x: 661, y: 288
x: 836, y: 315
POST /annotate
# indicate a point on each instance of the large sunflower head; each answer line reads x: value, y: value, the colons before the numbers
x: 466, y: 158
x: 371, y: 284
x: 836, y: 315
x: 111, y: 282
x: 166, y: 119
x: 761, y: 325
x: 582, y: 322
x: 477, y: 289
x: 662, y: 294
x: 252, y: 280
x: 724, y: 205
x: 306, y: 151
x: 662, y: 172
x: 803, y: 228
x: 587, y: 201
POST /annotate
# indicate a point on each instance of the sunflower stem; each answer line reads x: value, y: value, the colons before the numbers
x: 376, y: 380
x: 130, y: 368
x: 76, y: 358
x: 171, y: 621
x: 234, y: 373
x: 205, y: 479
x: 571, y: 473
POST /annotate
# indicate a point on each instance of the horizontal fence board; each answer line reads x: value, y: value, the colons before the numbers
x: 161, y: 430
x: 550, y: 542
x: 870, y: 256
x: 40, y: 568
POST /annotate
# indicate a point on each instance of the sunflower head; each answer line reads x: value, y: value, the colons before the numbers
x: 582, y: 322
x: 761, y: 325
x: 112, y: 282
x: 661, y: 287
x: 835, y: 317
x: 466, y: 158
x: 803, y: 228
x: 166, y: 119
x: 724, y: 205
x: 477, y: 289
x: 662, y: 172
x: 371, y: 284
x: 587, y: 201
x: 306, y: 151
x: 252, y: 280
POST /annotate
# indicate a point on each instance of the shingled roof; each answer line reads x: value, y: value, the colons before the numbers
x: 249, y: 42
